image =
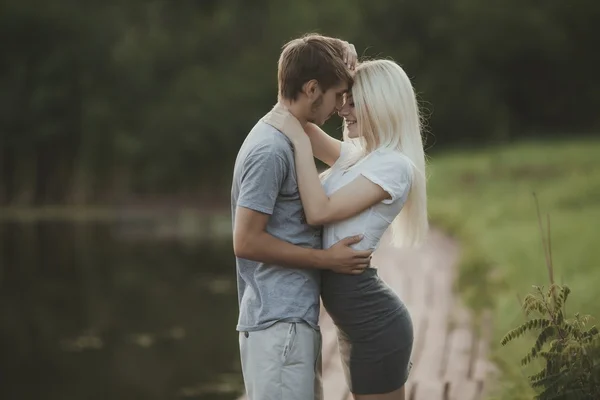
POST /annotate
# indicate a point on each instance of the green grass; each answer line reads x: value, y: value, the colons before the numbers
x: 485, y: 198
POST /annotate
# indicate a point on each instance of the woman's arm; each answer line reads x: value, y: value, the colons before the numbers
x: 324, y: 147
x: 348, y: 201
x: 319, y: 208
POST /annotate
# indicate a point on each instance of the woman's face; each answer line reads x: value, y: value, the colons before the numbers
x: 348, y: 112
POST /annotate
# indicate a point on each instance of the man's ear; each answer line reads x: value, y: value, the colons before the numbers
x: 311, y: 89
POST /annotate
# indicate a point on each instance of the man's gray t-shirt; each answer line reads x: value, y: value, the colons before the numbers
x: 264, y: 180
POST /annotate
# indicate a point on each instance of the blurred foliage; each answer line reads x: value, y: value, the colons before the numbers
x: 484, y: 198
x: 102, y: 101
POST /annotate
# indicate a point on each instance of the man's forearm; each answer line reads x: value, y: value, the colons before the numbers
x: 266, y: 248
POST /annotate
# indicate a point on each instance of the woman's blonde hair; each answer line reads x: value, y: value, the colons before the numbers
x: 388, y: 117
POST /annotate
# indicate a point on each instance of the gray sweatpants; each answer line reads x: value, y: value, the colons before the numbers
x: 282, y: 362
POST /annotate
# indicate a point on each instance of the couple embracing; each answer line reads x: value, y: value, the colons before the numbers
x: 300, y: 236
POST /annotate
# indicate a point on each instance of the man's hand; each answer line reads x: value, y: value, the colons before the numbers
x: 341, y: 258
x: 350, y: 56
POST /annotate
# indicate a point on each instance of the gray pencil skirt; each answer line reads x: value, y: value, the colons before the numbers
x: 375, y: 331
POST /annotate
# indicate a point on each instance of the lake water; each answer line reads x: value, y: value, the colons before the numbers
x: 96, y: 311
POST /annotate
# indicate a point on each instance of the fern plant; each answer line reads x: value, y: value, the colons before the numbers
x: 568, y: 347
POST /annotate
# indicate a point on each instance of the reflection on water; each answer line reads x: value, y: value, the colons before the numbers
x: 87, y: 314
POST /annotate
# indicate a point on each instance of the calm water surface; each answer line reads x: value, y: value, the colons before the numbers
x: 89, y: 311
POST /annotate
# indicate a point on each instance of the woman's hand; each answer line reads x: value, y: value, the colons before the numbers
x: 284, y: 121
x: 350, y: 55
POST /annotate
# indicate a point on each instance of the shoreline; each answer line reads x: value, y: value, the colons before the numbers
x: 132, y: 222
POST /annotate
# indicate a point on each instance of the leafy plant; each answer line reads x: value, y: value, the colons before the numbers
x: 568, y: 347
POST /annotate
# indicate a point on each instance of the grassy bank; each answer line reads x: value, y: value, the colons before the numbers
x: 485, y: 198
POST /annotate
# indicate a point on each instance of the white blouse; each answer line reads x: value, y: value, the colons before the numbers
x: 387, y: 168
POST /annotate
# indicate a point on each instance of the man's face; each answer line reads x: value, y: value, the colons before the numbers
x: 328, y: 103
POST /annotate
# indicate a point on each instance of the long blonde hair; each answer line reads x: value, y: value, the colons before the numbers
x: 388, y: 117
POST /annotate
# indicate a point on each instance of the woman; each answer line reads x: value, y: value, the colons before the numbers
x: 376, y: 179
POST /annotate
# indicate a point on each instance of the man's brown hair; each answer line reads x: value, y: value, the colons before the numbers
x: 310, y: 57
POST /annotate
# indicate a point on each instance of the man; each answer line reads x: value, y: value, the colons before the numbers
x: 278, y: 254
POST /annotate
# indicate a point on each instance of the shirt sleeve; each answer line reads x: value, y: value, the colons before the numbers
x: 261, y: 181
x: 392, y: 172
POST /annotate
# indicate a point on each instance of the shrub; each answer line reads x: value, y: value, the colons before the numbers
x: 568, y: 347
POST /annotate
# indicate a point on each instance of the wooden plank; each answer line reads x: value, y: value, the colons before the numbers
x: 463, y: 390
x: 334, y: 381
x: 419, y: 315
x: 408, y: 388
x: 428, y: 389
x: 329, y: 337
x: 432, y: 357
x: 460, y: 346
x: 420, y: 322
x: 432, y: 352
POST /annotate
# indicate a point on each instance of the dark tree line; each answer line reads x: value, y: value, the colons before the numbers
x: 104, y: 100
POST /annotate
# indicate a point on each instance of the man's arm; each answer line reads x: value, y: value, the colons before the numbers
x: 252, y: 242
x: 262, y: 176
